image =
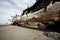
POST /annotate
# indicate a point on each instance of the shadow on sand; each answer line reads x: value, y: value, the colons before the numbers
x: 45, y: 30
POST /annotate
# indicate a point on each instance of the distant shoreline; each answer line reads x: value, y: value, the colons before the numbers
x: 4, y: 24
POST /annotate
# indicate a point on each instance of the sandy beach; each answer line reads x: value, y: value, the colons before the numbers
x: 9, y: 32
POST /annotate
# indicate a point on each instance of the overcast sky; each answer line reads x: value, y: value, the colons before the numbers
x: 11, y: 7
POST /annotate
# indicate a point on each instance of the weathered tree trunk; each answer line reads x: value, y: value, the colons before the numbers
x: 46, y: 17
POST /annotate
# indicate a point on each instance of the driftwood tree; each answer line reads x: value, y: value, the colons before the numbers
x: 52, y: 15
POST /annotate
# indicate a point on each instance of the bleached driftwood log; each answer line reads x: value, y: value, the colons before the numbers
x: 52, y: 15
